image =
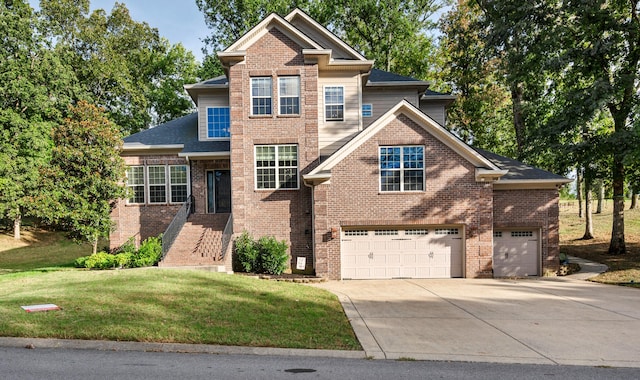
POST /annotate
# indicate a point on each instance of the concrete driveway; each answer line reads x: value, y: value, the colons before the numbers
x: 545, y: 321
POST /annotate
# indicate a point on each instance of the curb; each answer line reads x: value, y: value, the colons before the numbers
x: 103, y: 345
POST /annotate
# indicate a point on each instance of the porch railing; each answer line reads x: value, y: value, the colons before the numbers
x: 174, y: 228
x: 226, y: 236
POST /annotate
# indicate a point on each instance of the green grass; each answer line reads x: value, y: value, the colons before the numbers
x: 155, y: 305
x: 623, y: 269
x: 38, y: 250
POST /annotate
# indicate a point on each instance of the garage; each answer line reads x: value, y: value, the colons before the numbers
x: 383, y: 253
x: 515, y: 253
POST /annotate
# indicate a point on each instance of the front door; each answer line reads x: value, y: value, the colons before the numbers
x: 218, y: 191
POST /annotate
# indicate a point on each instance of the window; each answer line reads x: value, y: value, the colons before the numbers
x: 356, y: 233
x: 334, y: 103
x: 178, y: 183
x: 218, y: 122
x: 261, y: 96
x: 135, y: 182
x: 277, y: 167
x: 367, y: 110
x: 157, y: 184
x: 402, y: 168
x: 289, y: 90
x: 447, y: 231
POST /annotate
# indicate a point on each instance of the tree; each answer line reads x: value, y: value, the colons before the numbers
x: 34, y: 85
x: 394, y: 33
x: 86, y: 174
x: 123, y: 65
x: 481, y: 115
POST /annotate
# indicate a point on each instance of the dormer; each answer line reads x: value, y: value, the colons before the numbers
x: 212, y: 101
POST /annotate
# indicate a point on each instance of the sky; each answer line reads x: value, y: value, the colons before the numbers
x: 179, y: 21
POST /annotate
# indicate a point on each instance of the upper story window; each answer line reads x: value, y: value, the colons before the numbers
x: 261, y: 96
x: 135, y: 182
x: 289, y: 91
x: 334, y: 103
x: 402, y: 168
x: 367, y: 110
x: 276, y: 167
x: 218, y: 122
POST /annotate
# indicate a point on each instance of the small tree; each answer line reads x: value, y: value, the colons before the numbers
x: 86, y: 175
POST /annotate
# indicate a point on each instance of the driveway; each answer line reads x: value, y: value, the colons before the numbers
x: 544, y: 321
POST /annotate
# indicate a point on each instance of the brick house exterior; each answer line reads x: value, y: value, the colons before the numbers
x: 303, y: 140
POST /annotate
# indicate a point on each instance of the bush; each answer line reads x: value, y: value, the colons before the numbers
x: 246, y: 252
x: 273, y: 255
x: 100, y: 260
x: 80, y: 262
x: 124, y: 259
x: 150, y: 252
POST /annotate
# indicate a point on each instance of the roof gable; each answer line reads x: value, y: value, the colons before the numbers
x: 485, y: 169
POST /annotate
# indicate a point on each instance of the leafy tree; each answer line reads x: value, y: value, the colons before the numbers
x: 123, y: 65
x: 86, y: 174
x: 394, y: 33
x: 34, y: 85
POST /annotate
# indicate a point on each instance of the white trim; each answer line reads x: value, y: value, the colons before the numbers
x: 280, y: 95
x: 263, y: 28
x: 324, y: 102
x: 144, y: 189
x: 252, y: 97
x: 297, y: 12
x: 149, y: 184
x: 401, y: 169
x: 276, y: 167
x: 188, y: 183
x: 204, y: 155
x: 426, y: 122
x: 140, y: 146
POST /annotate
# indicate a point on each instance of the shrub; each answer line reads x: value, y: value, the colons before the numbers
x: 246, y: 252
x: 273, y: 255
x: 100, y: 260
x: 80, y: 262
x: 124, y: 259
x: 150, y: 252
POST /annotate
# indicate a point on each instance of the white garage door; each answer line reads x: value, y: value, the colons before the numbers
x: 401, y: 253
x: 515, y: 253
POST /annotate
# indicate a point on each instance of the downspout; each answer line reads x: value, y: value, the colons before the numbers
x: 313, y: 223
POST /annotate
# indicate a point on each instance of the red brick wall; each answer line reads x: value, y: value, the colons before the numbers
x: 532, y: 208
x: 286, y: 214
x: 451, y: 196
x: 141, y: 221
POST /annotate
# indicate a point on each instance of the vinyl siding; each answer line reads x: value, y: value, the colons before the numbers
x: 338, y: 52
x: 383, y: 100
x: 333, y: 134
x: 219, y: 98
x: 435, y: 110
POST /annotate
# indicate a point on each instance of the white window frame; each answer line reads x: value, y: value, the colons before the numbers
x: 143, y: 185
x: 270, y: 96
x: 277, y: 167
x: 401, y: 169
x: 281, y: 96
x: 326, y: 104
x: 228, y: 127
x: 149, y: 184
x: 369, y: 111
x: 171, y: 184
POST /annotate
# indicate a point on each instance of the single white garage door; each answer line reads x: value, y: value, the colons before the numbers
x: 401, y: 253
x: 515, y: 253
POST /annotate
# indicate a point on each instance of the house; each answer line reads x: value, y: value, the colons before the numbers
x: 304, y: 140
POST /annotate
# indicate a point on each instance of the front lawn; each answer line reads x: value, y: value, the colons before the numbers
x: 155, y: 305
x: 623, y: 269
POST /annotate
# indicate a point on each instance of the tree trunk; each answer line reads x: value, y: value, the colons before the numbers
x: 579, y: 191
x: 600, y: 196
x: 17, y: 222
x: 95, y: 246
x: 518, y: 117
x: 588, y: 227
x: 617, y: 245
x: 634, y: 199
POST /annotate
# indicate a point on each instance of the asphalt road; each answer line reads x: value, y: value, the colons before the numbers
x: 69, y: 364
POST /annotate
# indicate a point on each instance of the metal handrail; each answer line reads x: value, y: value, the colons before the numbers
x: 226, y: 236
x: 174, y: 228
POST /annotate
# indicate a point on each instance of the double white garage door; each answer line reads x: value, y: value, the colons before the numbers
x: 402, y: 253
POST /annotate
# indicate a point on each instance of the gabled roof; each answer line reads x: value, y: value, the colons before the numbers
x: 485, y: 169
x: 180, y: 134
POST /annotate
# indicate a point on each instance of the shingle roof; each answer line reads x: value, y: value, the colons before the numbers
x: 377, y: 76
x: 518, y: 171
x: 182, y: 131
